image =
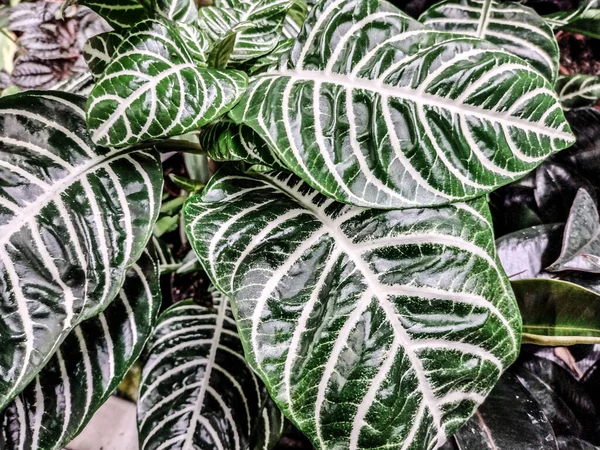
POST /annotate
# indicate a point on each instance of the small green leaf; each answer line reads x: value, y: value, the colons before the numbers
x: 587, y: 24
x: 86, y: 368
x: 576, y: 91
x: 197, y: 390
x: 557, y: 312
x: 509, y: 25
x: 184, y: 11
x: 156, y: 87
x: 187, y: 184
x: 121, y: 13
x: 413, y: 118
x: 360, y: 315
x: 99, y: 50
x: 581, y: 242
x: 562, y: 18
x: 270, y: 60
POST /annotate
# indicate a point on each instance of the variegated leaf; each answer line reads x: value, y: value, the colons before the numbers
x: 511, y: 26
x: 405, y: 117
x: 184, y: 11
x: 575, y: 91
x: 80, y: 84
x: 73, y: 218
x: 295, y: 19
x: 99, y: 50
x: 270, y: 60
x: 86, y: 368
x: 562, y: 18
x: 121, y: 13
x: 156, y: 86
x: 371, y: 328
x: 197, y: 390
x: 265, y: 22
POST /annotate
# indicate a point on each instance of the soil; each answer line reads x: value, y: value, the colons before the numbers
x: 578, y: 54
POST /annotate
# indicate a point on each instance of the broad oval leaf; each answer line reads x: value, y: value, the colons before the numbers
x: 402, y: 117
x: 511, y: 26
x: 86, y: 368
x: 197, y: 390
x: 73, y: 217
x: 371, y: 328
x: 576, y: 91
x: 156, y: 86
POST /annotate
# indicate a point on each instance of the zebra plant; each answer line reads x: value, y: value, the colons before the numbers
x: 356, y: 286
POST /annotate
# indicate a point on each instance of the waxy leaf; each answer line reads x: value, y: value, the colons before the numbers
x: 556, y: 312
x: 404, y: 117
x: 563, y: 18
x: 371, y: 328
x: 511, y: 26
x: 197, y: 390
x: 576, y: 91
x: 184, y: 11
x: 295, y: 19
x: 73, y: 218
x: 581, y: 243
x: 509, y: 419
x: 263, y: 17
x: 86, y: 368
x: 121, y: 13
x: 99, y: 50
x: 156, y: 86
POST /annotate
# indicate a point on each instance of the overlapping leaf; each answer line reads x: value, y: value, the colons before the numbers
x: 156, y: 86
x: 414, y: 117
x: 371, y: 328
x: 563, y: 18
x: 73, y: 217
x: 86, y: 368
x: 265, y: 22
x: 197, y: 390
x: 99, y: 50
x: 121, y: 13
x: 511, y: 26
x: 184, y: 11
x: 576, y: 91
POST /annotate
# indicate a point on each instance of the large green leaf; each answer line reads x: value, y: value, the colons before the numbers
x: 264, y: 19
x: 575, y: 91
x: 99, y: 50
x: 402, y: 117
x: 121, y: 13
x: 86, y: 368
x: 511, y: 26
x: 73, y: 217
x: 581, y: 243
x: 197, y: 390
x: 157, y: 86
x: 371, y: 328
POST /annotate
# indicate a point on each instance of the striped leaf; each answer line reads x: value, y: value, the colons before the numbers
x: 562, y: 18
x: 156, y: 86
x: 404, y: 117
x: 184, y: 11
x: 99, y: 50
x: 270, y: 60
x: 197, y: 390
x: 295, y: 19
x: 511, y: 26
x: 73, y: 218
x: 121, y: 13
x: 370, y: 328
x: 265, y: 22
x: 575, y: 91
x: 86, y: 368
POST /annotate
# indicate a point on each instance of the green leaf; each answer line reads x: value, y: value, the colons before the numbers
x: 360, y: 322
x: 99, y: 50
x: 587, y: 24
x: 184, y: 11
x: 270, y: 60
x: 510, y: 418
x: 575, y: 91
x: 197, y: 390
x: 156, y: 87
x: 511, y: 26
x: 410, y: 117
x: 264, y: 18
x: 562, y: 18
x: 294, y: 19
x: 581, y: 243
x: 557, y: 313
x: 121, y: 13
x: 86, y: 368
x: 73, y: 218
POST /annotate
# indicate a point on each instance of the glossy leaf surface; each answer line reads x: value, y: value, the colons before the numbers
x: 511, y: 26
x: 73, y: 217
x: 399, y: 322
x: 86, y: 368
x: 576, y: 91
x: 197, y: 390
x: 156, y: 86
x: 99, y: 50
x: 121, y: 13
x: 183, y: 11
x: 404, y: 117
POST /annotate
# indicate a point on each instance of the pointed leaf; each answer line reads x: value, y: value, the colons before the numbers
x: 581, y: 242
x: 587, y: 24
x: 406, y: 117
x: 73, y: 217
x: 294, y: 19
x: 562, y: 18
x: 99, y: 50
x: 197, y: 390
x: 184, y: 11
x: 86, y: 368
x: 360, y: 322
x: 511, y: 26
x: 576, y: 91
x: 155, y: 87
